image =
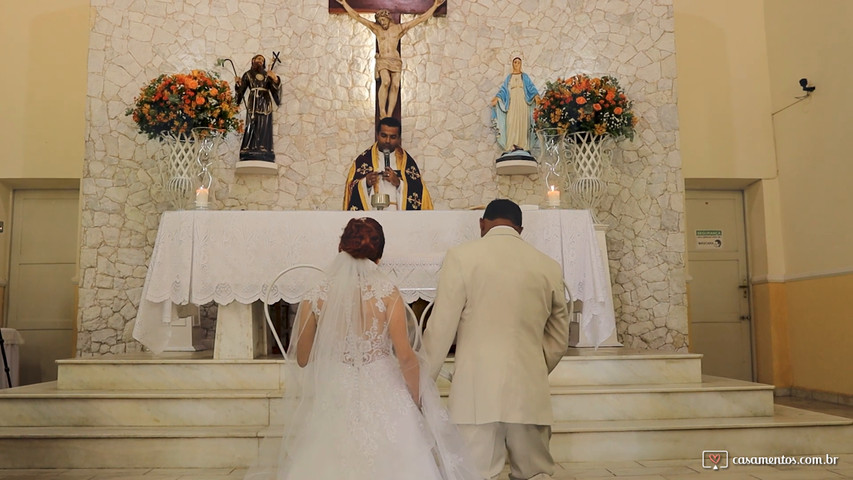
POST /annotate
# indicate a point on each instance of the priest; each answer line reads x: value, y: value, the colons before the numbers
x: 386, y: 168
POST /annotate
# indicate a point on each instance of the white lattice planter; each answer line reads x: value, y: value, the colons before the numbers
x: 178, y: 168
x: 589, y: 158
x: 185, y: 165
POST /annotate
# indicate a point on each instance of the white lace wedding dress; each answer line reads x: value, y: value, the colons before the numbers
x: 349, y: 412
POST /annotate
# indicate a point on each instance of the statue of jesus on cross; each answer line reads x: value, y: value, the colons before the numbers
x: 389, y: 64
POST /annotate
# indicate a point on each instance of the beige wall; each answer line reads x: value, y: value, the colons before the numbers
x: 812, y: 137
x: 821, y: 326
x: 723, y: 102
x: 771, y: 335
x: 739, y: 64
x: 43, y: 92
x: 738, y: 69
x: 44, y: 47
x: 764, y: 223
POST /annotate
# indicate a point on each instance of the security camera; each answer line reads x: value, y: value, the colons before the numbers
x: 804, y: 82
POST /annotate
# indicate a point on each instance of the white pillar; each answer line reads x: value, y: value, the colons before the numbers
x: 239, y: 334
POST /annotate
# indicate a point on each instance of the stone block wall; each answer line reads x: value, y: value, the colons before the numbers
x: 453, y: 66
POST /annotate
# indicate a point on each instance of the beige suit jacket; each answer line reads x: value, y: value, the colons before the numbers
x: 504, y: 302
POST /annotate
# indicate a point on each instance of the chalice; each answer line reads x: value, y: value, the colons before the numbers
x: 380, y: 200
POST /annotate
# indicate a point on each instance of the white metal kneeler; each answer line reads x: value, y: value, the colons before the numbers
x: 413, y: 324
x: 267, y: 301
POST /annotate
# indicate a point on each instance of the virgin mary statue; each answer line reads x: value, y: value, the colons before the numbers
x: 512, y: 109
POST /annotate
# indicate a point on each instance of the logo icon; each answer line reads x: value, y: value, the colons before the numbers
x: 715, y: 459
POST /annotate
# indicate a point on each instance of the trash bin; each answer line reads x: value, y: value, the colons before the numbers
x: 11, y: 339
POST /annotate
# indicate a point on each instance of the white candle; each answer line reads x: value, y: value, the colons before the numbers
x: 553, y: 197
x: 201, y: 196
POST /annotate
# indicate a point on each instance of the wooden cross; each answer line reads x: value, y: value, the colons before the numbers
x: 396, y: 8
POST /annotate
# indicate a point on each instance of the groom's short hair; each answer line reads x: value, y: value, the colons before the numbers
x: 505, y: 209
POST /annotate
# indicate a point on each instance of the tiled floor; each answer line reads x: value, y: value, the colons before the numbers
x: 822, y: 407
x: 681, y: 469
x: 645, y: 470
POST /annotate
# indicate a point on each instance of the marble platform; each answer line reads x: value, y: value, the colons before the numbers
x: 187, y: 410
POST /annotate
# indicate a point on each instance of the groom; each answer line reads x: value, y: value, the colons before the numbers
x: 504, y: 302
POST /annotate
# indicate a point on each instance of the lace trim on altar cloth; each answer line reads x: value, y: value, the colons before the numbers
x: 222, y: 257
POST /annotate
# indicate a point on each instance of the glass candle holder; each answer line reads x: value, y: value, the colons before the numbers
x: 553, y: 197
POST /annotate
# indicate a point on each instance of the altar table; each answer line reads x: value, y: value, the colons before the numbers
x: 230, y: 257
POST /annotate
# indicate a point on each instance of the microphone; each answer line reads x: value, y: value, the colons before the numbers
x: 387, y: 154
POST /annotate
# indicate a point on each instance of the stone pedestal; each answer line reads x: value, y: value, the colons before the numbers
x: 184, y: 330
x: 240, y: 333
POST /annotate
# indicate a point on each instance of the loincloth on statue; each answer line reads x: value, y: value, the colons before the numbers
x: 390, y: 64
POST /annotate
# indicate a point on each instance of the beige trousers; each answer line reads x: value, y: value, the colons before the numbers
x: 529, y: 456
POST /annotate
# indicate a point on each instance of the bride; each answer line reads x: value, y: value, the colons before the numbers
x: 358, y: 402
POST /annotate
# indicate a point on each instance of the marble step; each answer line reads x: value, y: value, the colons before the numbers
x: 46, y: 405
x: 623, y: 366
x: 714, y: 397
x: 128, y: 447
x: 789, y: 431
x: 190, y: 371
x: 197, y: 370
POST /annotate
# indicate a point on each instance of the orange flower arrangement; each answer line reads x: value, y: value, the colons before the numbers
x: 584, y: 104
x: 180, y: 102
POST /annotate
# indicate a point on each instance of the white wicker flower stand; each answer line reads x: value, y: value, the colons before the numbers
x: 589, y: 154
x: 178, y: 168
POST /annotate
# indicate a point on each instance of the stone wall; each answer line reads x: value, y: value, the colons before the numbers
x: 453, y: 67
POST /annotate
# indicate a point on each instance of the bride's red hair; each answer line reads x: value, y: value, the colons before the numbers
x: 363, y: 238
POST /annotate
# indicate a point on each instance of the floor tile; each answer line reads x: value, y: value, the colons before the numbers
x: 189, y: 472
x: 817, y: 473
x: 666, y: 470
x: 718, y: 475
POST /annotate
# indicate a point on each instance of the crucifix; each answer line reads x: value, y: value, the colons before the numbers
x: 388, y: 31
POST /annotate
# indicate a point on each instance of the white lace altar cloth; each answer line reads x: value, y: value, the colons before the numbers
x: 226, y: 256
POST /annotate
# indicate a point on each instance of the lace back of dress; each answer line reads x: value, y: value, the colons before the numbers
x: 350, y: 398
x: 352, y: 325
